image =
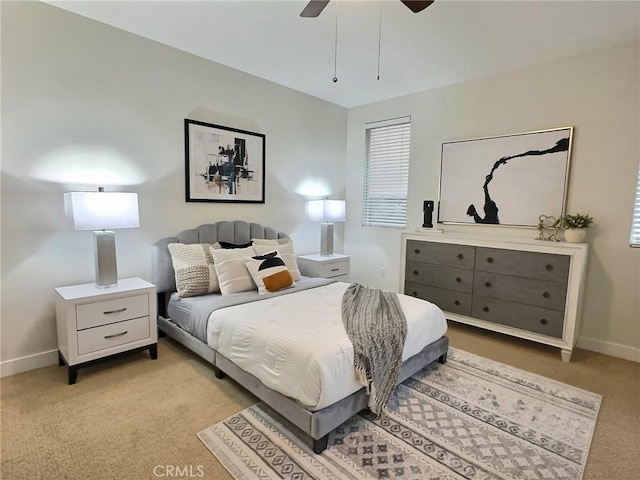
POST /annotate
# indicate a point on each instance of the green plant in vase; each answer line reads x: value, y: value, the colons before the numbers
x: 575, y: 227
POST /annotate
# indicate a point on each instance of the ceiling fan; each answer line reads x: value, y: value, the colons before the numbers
x: 315, y: 7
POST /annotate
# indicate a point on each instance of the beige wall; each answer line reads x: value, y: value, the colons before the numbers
x: 598, y: 94
x: 78, y: 95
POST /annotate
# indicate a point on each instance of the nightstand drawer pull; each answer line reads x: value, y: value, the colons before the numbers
x: 543, y: 321
x: 335, y: 269
x: 458, y: 279
x: 457, y: 303
x: 546, y: 294
x: 106, y: 337
x: 489, y: 260
x: 460, y: 256
x: 549, y: 267
x: 416, y: 272
x: 417, y: 251
x: 486, y: 309
x: 487, y: 284
x: 111, y: 312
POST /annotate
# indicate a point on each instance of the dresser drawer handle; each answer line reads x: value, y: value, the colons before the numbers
x: 457, y: 302
x: 543, y: 321
x: 460, y: 256
x: 487, y: 284
x: 458, y: 279
x: 111, y: 312
x: 486, y: 309
x: 549, y: 267
x: 546, y: 294
x: 417, y: 251
x: 115, y: 335
x: 489, y: 260
x: 416, y: 272
x: 335, y: 269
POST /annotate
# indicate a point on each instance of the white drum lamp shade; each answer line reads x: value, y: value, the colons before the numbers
x: 103, y: 212
x: 327, y: 212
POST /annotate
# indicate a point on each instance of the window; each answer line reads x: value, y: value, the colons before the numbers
x: 387, y: 173
x: 634, y: 241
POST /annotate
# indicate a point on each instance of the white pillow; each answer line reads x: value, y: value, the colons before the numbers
x: 194, y: 269
x: 269, y: 272
x: 284, y: 247
x: 233, y: 275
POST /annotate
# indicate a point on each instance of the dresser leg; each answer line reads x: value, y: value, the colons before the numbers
x: 73, y: 375
x: 60, y: 359
x: 565, y: 355
x: 153, y: 351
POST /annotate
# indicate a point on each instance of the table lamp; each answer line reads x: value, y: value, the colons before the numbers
x: 101, y: 212
x: 327, y: 212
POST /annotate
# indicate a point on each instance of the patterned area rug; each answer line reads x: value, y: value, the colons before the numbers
x: 470, y: 418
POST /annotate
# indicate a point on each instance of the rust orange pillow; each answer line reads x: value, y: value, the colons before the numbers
x: 269, y: 272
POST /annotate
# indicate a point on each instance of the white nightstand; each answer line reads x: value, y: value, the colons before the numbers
x: 334, y: 266
x: 95, y: 323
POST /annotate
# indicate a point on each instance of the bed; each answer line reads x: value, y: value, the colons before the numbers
x: 217, y: 327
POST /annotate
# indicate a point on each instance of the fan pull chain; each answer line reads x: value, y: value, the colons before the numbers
x: 335, y: 50
x: 379, y: 39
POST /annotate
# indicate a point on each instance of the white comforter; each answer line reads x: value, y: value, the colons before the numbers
x: 296, y: 344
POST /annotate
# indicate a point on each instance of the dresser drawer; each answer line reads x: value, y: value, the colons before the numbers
x: 333, y: 269
x: 112, y: 335
x: 521, y: 290
x: 111, y: 311
x: 451, y: 278
x: 441, y: 253
x: 543, y: 266
x: 447, y: 300
x: 517, y: 315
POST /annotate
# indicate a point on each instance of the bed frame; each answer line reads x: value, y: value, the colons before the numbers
x: 315, y: 426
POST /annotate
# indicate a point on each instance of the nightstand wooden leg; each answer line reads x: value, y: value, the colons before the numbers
x: 153, y: 351
x: 73, y: 375
x: 61, y: 361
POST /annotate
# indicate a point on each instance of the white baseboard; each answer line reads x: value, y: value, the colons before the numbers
x: 31, y: 362
x: 609, y: 348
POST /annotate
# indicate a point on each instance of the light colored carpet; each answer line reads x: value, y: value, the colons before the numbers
x: 470, y: 418
x: 128, y: 416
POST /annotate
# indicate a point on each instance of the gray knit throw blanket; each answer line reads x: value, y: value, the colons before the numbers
x: 377, y: 328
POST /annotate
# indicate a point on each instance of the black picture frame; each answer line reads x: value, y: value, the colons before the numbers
x: 223, y: 164
x: 507, y: 180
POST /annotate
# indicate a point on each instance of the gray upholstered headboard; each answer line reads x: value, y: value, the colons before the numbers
x: 236, y: 231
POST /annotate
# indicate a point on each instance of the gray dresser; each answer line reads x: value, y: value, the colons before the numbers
x: 526, y: 289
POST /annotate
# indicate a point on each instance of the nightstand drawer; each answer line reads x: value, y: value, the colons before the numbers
x: 112, y: 335
x: 334, y: 269
x: 111, y: 311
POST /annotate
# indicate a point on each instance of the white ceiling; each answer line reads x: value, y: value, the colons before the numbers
x: 449, y: 42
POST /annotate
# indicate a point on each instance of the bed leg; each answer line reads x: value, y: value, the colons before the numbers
x: 320, y: 444
x: 443, y: 358
x: 218, y: 373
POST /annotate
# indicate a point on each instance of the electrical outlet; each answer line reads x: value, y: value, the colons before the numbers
x: 383, y: 272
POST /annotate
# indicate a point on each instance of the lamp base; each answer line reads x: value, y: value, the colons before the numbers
x: 106, y: 267
x: 326, y: 239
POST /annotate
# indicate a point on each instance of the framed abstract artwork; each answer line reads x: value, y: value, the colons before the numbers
x: 223, y: 164
x: 505, y: 180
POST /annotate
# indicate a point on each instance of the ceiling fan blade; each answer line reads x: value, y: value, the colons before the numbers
x: 314, y: 8
x: 417, y: 6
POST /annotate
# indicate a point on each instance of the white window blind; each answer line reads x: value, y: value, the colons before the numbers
x: 635, y: 224
x: 387, y: 174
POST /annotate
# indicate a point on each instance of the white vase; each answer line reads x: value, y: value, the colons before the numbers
x: 575, y: 235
